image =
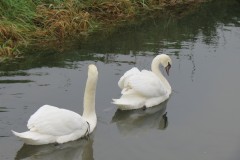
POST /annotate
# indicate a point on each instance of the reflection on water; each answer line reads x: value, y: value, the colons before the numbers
x: 77, y: 150
x: 15, y: 81
x: 141, y: 120
x: 3, y: 109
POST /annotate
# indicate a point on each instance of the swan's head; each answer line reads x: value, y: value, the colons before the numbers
x: 92, y: 70
x: 166, y: 61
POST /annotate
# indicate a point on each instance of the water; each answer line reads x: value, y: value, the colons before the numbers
x: 202, y: 119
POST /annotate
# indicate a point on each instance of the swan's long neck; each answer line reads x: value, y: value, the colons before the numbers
x: 89, y: 113
x: 155, y: 69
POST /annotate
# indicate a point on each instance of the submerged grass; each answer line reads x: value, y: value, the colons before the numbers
x: 36, y: 21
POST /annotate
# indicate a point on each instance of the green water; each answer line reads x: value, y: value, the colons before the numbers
x: 202, y: 119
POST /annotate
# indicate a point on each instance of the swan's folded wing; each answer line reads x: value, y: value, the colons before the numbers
x: 44, y: 110
x: 51, y: 120
x: 147, y: 84
x: 126, y: 76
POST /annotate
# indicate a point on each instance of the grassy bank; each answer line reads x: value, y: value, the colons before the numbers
x: 42, y: 21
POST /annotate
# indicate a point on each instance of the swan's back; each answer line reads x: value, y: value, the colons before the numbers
x: 124, y: 79
x: 147, y: 84
x: 55, y: 121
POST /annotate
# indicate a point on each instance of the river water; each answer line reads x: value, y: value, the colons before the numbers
x: 200, y: 121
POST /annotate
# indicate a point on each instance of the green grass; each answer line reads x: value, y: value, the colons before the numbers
x: 24, y: 22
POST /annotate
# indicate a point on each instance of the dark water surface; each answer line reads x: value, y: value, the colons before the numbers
x: 203, y: 113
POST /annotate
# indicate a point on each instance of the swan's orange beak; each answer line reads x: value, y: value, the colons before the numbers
x: 168, y: 68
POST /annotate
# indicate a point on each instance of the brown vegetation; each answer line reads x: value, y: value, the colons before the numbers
x: 68, y: 19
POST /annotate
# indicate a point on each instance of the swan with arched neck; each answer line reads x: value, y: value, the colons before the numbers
x: 145, y: 88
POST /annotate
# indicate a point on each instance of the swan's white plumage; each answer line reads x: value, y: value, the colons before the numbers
x: 146, y: 84
x: 55, y: 121
x: 144, y: 88
x: 51, y: 124
x: 124, y: 79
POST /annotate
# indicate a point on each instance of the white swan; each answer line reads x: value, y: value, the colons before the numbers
x: 145, y: 88
x: 51, y: 124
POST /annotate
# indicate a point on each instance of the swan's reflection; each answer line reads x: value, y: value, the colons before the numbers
x: 77, y: 150
x: 135, y: 121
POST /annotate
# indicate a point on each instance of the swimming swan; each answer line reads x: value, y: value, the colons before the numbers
x: 144, y: 88
x: 51, y: 124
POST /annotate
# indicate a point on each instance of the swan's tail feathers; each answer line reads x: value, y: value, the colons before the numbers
x: 129, y: 102
x: 33, y: 138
